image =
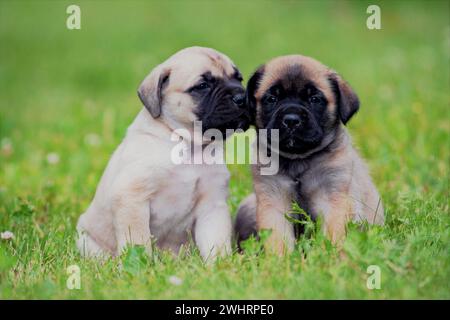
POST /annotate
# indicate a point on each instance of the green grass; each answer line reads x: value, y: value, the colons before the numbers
x: 60, y: 88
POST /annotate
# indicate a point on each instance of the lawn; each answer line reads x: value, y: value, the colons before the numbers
x: 67, y: 97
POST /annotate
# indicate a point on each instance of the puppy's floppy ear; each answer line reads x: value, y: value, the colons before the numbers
x: 252, y: 86
x: 346, y: 99
x: 150, y: 90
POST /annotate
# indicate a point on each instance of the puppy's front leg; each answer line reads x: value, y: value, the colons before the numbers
x: 131, y: 206
x: 132, y: 223
x: 340, y: 212
x: 270, y: 215
x: 212, y: 228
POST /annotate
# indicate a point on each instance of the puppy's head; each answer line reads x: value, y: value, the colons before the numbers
x: 196, y: 84
x: 302, y: 98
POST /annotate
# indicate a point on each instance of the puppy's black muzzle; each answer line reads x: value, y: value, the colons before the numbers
x: 242, y: 111
x: 230, y: 111
x: 299, y: 131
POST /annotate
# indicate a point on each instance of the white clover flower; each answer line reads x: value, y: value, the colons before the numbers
x: 175, y: 281
x: 92, y: 139
x: 52, y: 158
x: 7, y: 235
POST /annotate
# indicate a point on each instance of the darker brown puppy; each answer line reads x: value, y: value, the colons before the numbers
x: 309, y: 104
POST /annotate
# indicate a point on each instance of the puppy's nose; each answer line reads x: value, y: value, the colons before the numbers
x: 238, y: 99
x: 291, y: 120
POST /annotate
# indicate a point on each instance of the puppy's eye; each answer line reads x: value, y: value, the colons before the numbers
x: 271, y: 99
x: 314, y: 99
x: 202, y: 86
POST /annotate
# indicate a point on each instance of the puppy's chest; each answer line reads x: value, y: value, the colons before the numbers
x: 174, y: 204
x: 304, y: 183
x: 311, y: 185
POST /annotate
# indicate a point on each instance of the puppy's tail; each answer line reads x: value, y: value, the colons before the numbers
x: 245, y: 224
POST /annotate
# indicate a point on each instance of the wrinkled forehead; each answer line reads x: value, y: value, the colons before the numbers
x: 293, y: 73
x: 188, y: 67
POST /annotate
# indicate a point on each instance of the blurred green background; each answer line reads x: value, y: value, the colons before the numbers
x: 67, y: 97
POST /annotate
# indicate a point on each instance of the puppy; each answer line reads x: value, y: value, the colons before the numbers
x: 143, y: 194
x: 318, y: 167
